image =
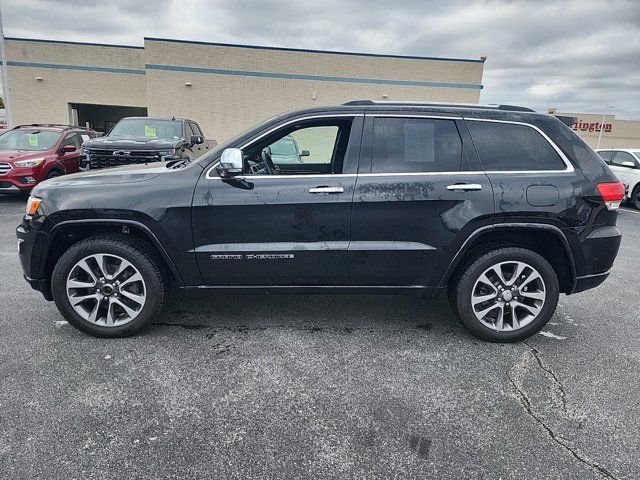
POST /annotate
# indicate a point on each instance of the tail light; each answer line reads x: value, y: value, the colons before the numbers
x: 612, y: 194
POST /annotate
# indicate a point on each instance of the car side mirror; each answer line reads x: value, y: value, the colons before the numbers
x: 305, y: 153
x: 68, y: 149
x: 196, y: 140
x: 231, y: 163
x: 629, y: 163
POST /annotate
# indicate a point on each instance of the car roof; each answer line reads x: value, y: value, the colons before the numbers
x: 50, y: 127
x: 173, y: 119
x: 628, y: 150
x: 489, y: 112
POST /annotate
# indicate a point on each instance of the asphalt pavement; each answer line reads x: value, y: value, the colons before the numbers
x: 320, y: 387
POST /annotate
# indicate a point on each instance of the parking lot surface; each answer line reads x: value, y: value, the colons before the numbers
x: 320, y: 386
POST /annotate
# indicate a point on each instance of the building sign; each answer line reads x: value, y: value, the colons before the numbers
x: 591, y: 127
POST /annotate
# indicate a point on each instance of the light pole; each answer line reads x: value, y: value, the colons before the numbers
x: 5, y: 79
x: 602, y: 123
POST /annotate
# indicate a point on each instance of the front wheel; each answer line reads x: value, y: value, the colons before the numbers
x: 506, y: 295
x: 109, y: 286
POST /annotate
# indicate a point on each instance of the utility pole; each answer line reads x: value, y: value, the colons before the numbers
x: 602, y: 124
x: 5, y: 79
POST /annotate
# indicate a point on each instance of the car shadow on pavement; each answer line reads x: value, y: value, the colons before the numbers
x: 196, y: 311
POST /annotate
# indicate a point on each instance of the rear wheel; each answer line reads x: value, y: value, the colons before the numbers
x: 109, y: 286
x: 635, y: 197
x: 506, y: 295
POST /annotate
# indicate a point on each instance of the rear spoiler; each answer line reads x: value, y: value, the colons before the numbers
x: 568, y: 121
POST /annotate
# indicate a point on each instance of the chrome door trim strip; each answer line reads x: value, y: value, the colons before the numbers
x: 563, y: 157
x: 280, y: 125
x: 377, y: 245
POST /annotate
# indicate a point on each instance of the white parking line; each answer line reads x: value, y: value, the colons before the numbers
x: 630, y: 211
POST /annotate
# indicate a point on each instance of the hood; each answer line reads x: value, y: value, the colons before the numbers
x: 107, y: 176
x: 132, y: 143
x: 14, y: 155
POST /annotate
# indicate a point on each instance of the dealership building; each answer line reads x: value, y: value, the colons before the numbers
x: 225, y: 88
x: 615, y: 133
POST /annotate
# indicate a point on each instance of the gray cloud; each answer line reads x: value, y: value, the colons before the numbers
x: 570, y: 54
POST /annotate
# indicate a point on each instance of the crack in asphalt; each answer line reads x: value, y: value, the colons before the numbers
x: 557, y: 438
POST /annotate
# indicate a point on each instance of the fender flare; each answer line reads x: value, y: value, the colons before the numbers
x: 115, y: 221
x: 455, y: 261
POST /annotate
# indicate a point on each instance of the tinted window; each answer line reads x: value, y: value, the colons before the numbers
x: 147, y: 128
x: 504, y: 146
x: 311, y: 147
x: 606, y: 156
x: 71, y: 139
x: 407, y: 145
x: 623, y: 157
x: 36, y: 140
x: 196, y: 129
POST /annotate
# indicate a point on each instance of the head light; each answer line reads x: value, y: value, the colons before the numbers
x: 32, y: 205
x: 32, y: 162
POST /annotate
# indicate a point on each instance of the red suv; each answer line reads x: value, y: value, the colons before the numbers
x: 30, y: 154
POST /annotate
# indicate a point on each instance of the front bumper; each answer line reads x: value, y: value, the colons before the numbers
x: 20, y: 179
x: 31, y: 244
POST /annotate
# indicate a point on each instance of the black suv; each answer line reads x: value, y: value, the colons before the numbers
x: 502, y: 207
x: 146, y: 139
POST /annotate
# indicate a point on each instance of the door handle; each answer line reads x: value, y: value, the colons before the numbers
x: 326, y: 190
x: 465, y: 186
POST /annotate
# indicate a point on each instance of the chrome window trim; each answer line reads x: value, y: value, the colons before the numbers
x: 277, y: 127
x: 570, y: 168
x: 454, y: 117
x: 563, y: 157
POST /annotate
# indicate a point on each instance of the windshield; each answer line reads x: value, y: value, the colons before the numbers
x: 34, y: 140
x: 284, y: 146
x: 147, y: 128
x: 637, y: 153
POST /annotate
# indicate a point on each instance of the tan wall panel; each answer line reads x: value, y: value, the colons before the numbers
x: 309, y: 63
x: 75, y: 54
x: 226, y: 105
x: 48, y: 101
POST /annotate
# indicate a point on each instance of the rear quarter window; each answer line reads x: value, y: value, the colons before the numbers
x: 512, y: 147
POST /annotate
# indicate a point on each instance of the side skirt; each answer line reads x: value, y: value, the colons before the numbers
x: 411, y: 290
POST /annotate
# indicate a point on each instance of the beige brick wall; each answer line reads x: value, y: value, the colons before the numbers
x: 47, y: 101
x: 225, y: 105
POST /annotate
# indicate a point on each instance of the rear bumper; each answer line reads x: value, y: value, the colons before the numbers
x: 589, y: 281
x: 595, y: 256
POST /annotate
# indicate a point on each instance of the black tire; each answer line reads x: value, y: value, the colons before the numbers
x: 135, y: 251
x: 635, y: 197
x: 53, y: 174
x: 461, y: 290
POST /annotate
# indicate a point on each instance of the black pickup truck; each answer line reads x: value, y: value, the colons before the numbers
x: 142, y: 140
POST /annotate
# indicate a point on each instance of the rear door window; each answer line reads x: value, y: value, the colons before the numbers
x: 513, y: 147
x: 415, y: 145
x: 606, y: 156
x: 621, y: 158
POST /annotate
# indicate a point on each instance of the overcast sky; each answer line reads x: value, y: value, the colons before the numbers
x: 576, y: 55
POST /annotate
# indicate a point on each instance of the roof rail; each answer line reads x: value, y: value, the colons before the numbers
x: 513, y: 108
x: 568, y: 121
x: 51, y: 125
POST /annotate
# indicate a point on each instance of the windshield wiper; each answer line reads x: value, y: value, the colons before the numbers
x: 178, y: 163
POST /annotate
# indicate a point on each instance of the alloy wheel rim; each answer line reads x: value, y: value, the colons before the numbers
x: 106, y: 290
x: 508, y: 296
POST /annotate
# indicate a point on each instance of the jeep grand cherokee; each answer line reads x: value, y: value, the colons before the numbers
x: 501, y: 207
